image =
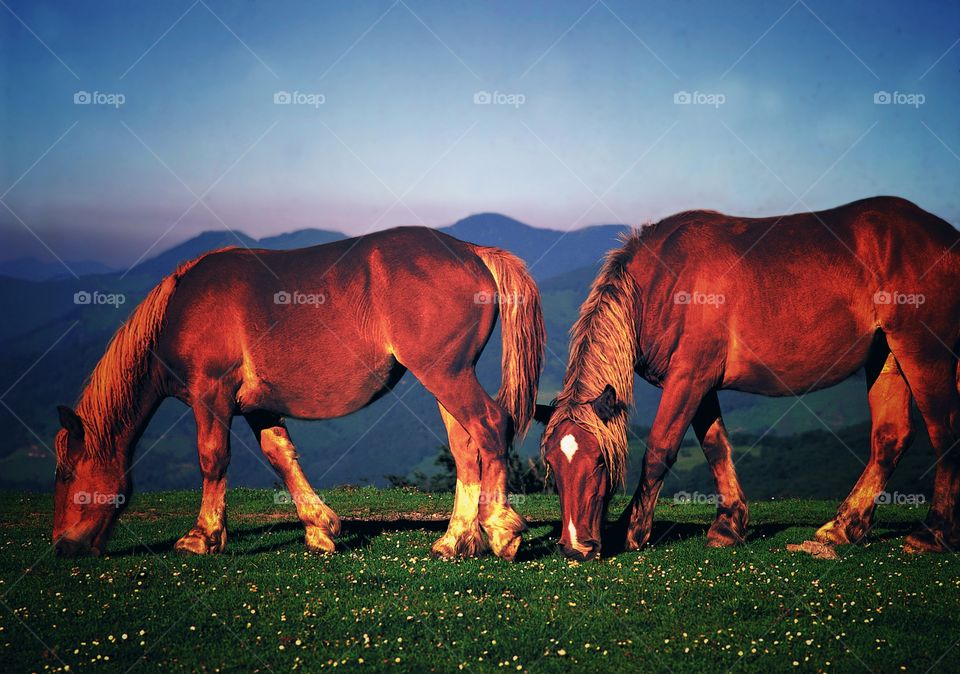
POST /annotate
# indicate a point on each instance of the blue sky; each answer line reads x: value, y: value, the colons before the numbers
x: 583, y: 129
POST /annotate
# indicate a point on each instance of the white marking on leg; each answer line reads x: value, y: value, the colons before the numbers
x: 466, y: 503
x: 568, y: 445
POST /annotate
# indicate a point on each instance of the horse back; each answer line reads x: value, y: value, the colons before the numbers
x: 776, y: 294
x: 327, y: 328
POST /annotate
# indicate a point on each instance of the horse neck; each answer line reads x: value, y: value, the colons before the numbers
x: 122, y: 423
x: 605, y: 351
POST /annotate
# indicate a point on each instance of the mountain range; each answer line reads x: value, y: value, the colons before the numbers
x: 52, y: 343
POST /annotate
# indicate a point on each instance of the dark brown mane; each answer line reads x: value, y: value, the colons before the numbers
x: 603, y: 350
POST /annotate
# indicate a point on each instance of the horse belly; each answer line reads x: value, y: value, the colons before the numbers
x: 798, y: 358
x: 319, y: 388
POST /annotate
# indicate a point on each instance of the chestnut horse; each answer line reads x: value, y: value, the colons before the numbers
x: 780, y: 306
x: 314, y: 333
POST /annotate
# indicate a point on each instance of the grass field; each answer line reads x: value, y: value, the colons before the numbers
x: 381, y: 602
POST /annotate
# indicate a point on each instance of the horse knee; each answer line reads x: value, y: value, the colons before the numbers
x: 493, y: 434
x: 713, y: 444
x: 214, y: 459
x: 276, y: 447
x: 658, y: 464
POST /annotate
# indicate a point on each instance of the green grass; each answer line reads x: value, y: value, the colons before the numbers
x: 382, y: 601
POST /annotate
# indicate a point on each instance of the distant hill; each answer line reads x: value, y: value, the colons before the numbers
x: 168, y: 260
x: 547, y: 252
x: 302, y: 238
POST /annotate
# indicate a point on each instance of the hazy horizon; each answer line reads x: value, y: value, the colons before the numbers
x: 173, y: 240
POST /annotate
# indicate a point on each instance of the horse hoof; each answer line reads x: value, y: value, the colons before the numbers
x: 722, y: 539
x: 319, y: 541
x: 196, y: 543
x: 504, y: 528
x: 505, y: 541
x: 925, y: 541
x: 507, y: 549
x: 722, y: 535
x: 444, y: 547
x: 464, y: 544
x: 505, y: 545
x: 634, y: 541
x: 831, y: 534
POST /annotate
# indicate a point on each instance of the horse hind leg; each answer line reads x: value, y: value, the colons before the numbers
x: 931, y: 371
x: 729, y: 527
x: 488, y: 426
x: 213, y: 416
x: 462, y: 537
x: 891, y: 433
x: 320, y: 522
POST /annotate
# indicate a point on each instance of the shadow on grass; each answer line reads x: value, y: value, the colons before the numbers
x: 361, y: 534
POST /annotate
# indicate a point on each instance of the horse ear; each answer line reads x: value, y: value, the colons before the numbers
x: 71, y: 421
x: 606, y: 405
x: 543, y: 413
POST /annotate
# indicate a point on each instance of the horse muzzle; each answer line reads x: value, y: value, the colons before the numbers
x: 584, y: 552
x: 67, y: 548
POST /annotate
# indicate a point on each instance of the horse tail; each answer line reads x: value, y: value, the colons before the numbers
x: 524, y: 337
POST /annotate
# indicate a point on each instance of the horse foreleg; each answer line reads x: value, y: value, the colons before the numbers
x: 681, y: 398
x: 890, y: 434
x: 463, y: 535
x: 729, y: 527
x: 213, y: 417
x: 320, y: 522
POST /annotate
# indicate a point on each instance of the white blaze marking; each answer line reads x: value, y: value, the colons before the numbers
x: 574, y: 543
x: 569, y: 447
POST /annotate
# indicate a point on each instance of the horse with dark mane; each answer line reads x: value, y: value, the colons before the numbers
x: 777, y: 306
x: 314, y: 333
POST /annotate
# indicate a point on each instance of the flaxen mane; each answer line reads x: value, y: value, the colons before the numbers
x: 110, y: 396
x: 603, y: 350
